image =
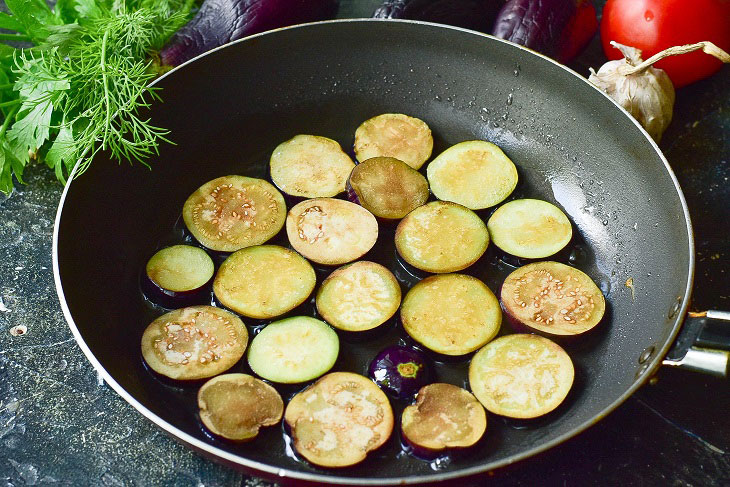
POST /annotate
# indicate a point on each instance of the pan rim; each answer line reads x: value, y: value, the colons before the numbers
x: 284, y: 473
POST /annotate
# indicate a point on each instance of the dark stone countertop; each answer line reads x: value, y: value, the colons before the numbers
x: 59, y: 425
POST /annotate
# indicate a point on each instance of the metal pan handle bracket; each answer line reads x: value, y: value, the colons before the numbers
x: 705, y: 345
x: 713, y: 362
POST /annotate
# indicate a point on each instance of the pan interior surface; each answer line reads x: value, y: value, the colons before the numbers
x: 229, y: 109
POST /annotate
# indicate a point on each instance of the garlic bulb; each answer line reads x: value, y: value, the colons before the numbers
x: 644, y: 91
x: 648, y: 94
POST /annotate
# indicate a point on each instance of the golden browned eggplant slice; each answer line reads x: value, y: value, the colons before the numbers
x: 530, y: 228
x: 233, y: 212
x: 358, y: 296
x: 521, y: 376
x: 476, y: 174
x: 444, y: 416
x: 339, y: 419
x: 387, y: 187
x: 552, y: 298
x: 451, y: 314
x: 264, y: 281
x: 236, y: 406
x: 330, y: 231
x: 408, y: 139
x: 441, y: 237
x: 310, y: 166
x: 194, y: 343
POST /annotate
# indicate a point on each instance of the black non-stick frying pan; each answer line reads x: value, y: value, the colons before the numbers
x: 228, y: 109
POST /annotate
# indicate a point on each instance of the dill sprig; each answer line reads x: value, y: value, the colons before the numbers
x: 84, y: 85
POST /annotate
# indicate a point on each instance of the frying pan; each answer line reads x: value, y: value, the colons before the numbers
x: 229, y: 108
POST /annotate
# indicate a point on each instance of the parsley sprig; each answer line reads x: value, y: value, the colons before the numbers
x: 83, y: 84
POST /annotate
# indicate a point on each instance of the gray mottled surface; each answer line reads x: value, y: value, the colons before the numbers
x: 58, y: 423
x: 60, y: 426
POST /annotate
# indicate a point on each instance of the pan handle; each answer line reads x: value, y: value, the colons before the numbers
x: 703, y: 344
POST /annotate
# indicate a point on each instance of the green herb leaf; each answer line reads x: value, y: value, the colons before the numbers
x: 6, y: 54
x: 11, y: 23
x: 9, y: 164
x: 65, y: 11
x: 6, y: 173
x: 63, y: 153
x: 61, y: 36
x: 84, y: 86
x: 34, y: 15
x: 16, y: 165
x: 6, y: 96
x: 88, y: 9
x: 31, y: 130
x: 39, y: 89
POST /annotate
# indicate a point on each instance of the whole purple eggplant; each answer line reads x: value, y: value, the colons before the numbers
x: 557, y: 28
x: 221, y: 21
x: 536, y: 25
x: 471, y: 14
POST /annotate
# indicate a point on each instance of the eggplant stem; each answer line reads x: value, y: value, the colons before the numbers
x: 706, y: 46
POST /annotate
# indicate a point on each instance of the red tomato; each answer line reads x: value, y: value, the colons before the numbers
x: 654, y: 25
